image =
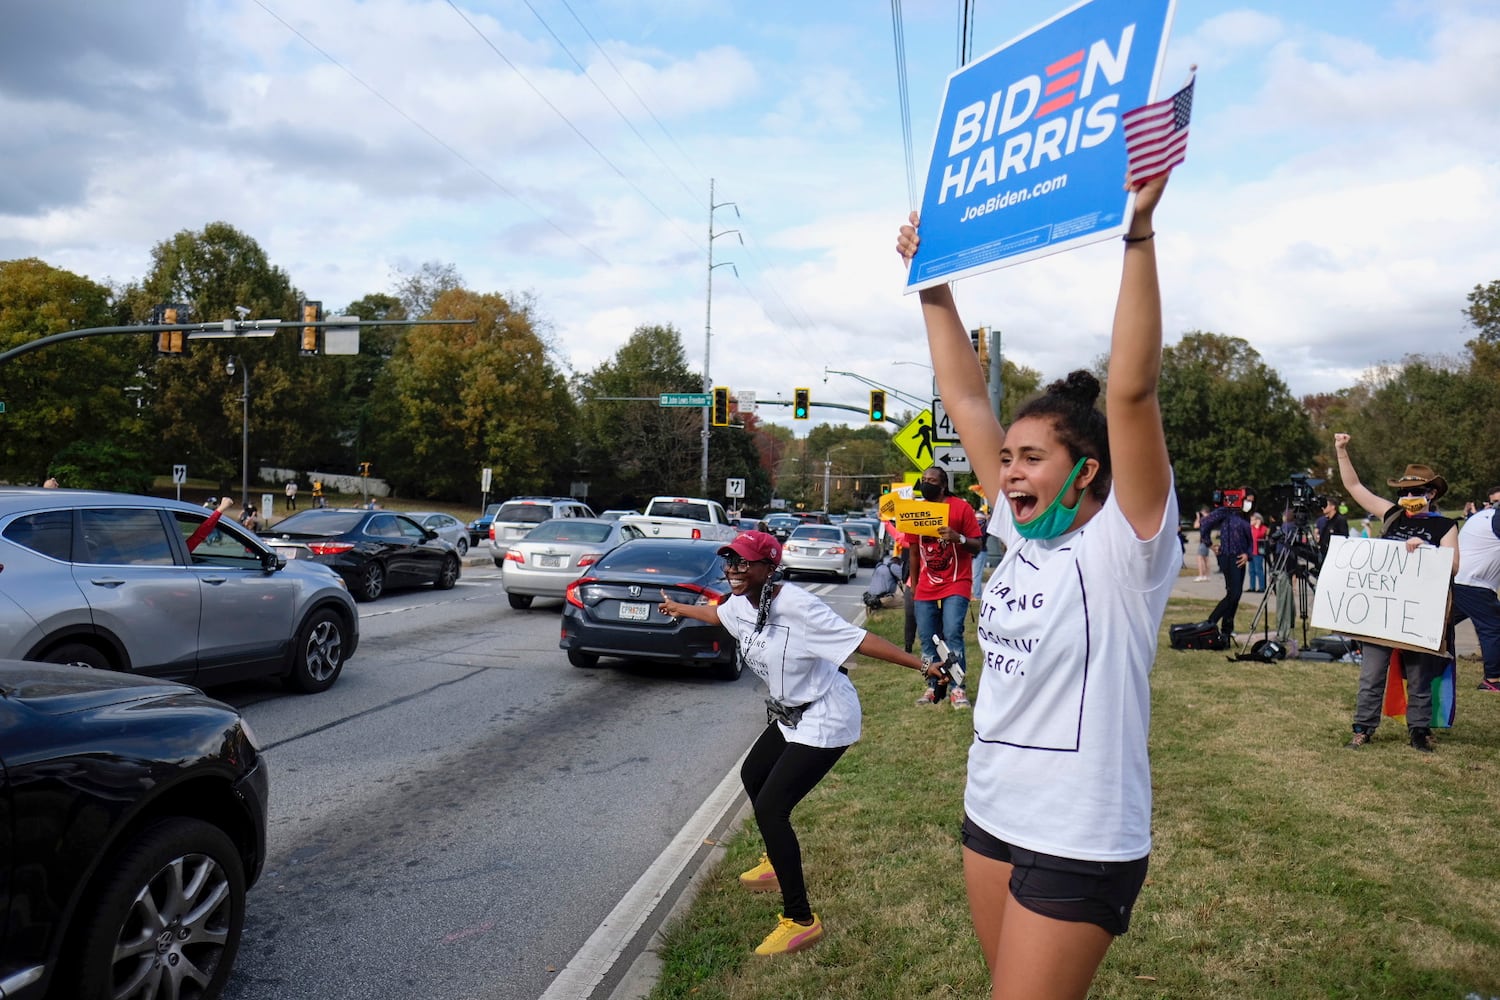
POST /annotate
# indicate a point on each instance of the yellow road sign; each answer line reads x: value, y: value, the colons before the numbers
x: 915, y: 439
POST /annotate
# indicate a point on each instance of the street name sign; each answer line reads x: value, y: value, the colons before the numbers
x: 685, y: 399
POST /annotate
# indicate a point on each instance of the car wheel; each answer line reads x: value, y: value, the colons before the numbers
x: 731, y: 668
x: 448, y: 576
x: 584, y: 660
x: 318, y: 656
x: 166, y: 920
x: 463, y: 546
x: 80, y: 653
x: 519, y: 601
x: 371, y: 582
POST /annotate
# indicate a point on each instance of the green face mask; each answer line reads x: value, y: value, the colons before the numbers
x: 1056, y: 519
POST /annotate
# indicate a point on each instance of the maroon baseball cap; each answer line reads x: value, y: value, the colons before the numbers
x: 756, y: 546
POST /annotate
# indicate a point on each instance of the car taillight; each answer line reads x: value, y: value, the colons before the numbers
x: 837, y: 550
x: 697, y: 533
x: 516, y: 557
x: 571, y: 594
x: 492, y: 532
x: 705, y: 596
x: 329, y: 548
x: 588, y: 560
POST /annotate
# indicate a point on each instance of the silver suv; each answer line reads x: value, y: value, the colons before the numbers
x: 109, y: 580
x: 518, y: 515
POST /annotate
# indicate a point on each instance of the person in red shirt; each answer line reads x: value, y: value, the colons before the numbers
x: 942, y: 580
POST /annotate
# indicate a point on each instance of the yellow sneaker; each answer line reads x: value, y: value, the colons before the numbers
x: 790, y: 936
x: 761, y: 878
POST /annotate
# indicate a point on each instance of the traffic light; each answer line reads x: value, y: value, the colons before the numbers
x: 720, y: 416
x: 312, y: 312
x: 980, y: 339
x: 803, y: 403
x: 168, y: 342
x: 877, y: 406
x: 364, y: 468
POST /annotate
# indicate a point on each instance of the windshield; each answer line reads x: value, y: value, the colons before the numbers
x: 830, y: 533
x: 567, y: 529
x: 525, y: 513
x: 682, y: 509
x: 318, y: 522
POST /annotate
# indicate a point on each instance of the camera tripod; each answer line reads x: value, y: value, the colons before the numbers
x: 1290, y: 566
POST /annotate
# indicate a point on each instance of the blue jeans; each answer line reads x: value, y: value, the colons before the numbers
x: 946, y: 617
x: 1481, y: 607
x: 1257, y: 572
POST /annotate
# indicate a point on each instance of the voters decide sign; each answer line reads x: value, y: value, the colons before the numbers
x: 1029, y: 155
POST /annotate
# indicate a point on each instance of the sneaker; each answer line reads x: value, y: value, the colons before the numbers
x: 928, y: 698
x: 1421, y: 739
x: 790, y: 936
x: 958, y: 699
x: 1359, y: 739
x: 1489, y: 685
x: 761, y: 878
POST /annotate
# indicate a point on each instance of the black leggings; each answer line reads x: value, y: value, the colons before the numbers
x: 777, y: 775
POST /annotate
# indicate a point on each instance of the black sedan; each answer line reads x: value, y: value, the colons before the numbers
x: 613, y: 610
x: 133, y: 822
x: 370, y: 549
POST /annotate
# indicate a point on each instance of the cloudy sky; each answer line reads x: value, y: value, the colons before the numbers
x: 1341, y: 195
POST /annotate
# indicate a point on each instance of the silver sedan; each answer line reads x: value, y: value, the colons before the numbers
x: 820, y: 548
x: 557, y: 552
x: 448, y: 527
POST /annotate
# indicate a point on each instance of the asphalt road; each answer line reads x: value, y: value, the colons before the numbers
x: 457, y: 815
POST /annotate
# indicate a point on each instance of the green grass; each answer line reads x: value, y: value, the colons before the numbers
x: 1284, y: 866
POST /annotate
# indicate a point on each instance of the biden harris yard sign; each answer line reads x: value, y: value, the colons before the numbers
x: 1029, y: 155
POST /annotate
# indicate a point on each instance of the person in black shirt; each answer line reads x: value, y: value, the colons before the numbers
x: 1330, y: 524
x: 1233, y: 525
x: 1409, y: 518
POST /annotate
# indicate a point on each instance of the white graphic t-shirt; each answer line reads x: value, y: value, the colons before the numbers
x: 798, y: 654
x: 1068, y: 630
x: 1479, y: 552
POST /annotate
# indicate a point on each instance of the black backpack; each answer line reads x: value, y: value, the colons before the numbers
x: 1197, y: 635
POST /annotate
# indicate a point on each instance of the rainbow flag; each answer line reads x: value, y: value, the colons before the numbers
x: 1444, y: 687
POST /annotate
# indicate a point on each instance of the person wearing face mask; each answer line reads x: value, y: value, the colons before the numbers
x: 1232, y: 522
x: 1409, y: 518
x: 941, y: 571
x: 1057, y: 826
x: 796, y: 644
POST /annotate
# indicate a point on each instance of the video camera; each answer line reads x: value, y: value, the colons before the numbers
x: 1230, y: 497
x: 1298, y: 495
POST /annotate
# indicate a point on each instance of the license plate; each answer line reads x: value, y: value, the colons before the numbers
x: 289, y: 553
x: 632, y: 612
x: 551, y: 562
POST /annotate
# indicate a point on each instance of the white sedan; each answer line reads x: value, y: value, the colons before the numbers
x: 820, y: 548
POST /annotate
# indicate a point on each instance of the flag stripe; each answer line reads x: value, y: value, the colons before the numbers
x: 1156, y: 135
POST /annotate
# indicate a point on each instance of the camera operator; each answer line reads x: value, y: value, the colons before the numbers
x: 1232, y: 521
x: 1329, y: 524
x: 1409, y: 518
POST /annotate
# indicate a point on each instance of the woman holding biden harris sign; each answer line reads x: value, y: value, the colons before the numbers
x: 1057, y: 824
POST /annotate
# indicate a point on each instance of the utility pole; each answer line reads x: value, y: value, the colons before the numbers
x: 708, y: 316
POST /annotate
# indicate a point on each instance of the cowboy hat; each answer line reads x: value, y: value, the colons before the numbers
x: 1420, y: 475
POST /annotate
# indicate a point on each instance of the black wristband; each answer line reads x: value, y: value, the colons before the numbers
x: 1138, y: 239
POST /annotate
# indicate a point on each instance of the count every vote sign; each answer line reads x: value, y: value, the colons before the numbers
x: 1029, y: 154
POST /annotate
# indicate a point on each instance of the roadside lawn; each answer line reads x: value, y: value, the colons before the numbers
x: 1284, y: 866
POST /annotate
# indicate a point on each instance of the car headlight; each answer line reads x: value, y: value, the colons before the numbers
x: 250, y: 736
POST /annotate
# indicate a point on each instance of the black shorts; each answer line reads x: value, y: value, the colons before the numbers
x: 1091, y: 892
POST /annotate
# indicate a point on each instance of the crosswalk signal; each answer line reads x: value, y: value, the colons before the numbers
x: 721, y: 406
x: 802, y: 404
x: 877, y: 405
x: 312, y: 312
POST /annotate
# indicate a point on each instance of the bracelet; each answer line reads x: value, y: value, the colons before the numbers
x: 1138, y: 239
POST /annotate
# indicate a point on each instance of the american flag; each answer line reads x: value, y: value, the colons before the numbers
x: 1156, y: 135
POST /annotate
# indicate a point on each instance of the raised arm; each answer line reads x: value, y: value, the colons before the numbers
x: 961, y: 384
x: 1357, y: 490
x: 1137, y: 442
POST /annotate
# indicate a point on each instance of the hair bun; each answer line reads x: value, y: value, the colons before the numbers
x: 1080, y: 387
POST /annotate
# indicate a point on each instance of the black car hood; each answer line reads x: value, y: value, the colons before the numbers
x: 58, y: 689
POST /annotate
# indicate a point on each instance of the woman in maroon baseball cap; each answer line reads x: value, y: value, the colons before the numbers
x: 796, y: 644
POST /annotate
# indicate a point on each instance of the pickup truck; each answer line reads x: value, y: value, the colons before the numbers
x: 683, y: 517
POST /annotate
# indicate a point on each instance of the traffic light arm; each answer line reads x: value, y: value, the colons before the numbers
x: 219, y: 330
x: 837, y: 406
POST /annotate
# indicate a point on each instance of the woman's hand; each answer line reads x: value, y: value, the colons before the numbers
x: 1340, y: 441
x: 672, y: 609
x: 1414, y: 543
x: 1147, y: 195
x: 907, y: 240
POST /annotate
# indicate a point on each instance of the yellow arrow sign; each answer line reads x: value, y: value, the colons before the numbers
x: 915, y: 439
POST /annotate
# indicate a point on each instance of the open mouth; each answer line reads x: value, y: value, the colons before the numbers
x: 1022, y: 505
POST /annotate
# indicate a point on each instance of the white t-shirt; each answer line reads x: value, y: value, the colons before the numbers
x: 1068, y: 630
x: 1479, y: 552
x: 798, y: 654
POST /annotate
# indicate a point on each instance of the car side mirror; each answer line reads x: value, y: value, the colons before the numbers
x: 272, y: 561
x: 429, y: 534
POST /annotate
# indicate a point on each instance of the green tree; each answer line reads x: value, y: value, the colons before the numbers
x: 195, y: 404
x: 1229, y: 418
x: 633, y: 449
x: 69, y: 393
x: 1483, y: 310
x: 455, y: 399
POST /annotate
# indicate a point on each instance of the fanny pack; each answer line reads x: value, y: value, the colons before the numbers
x: 789, y: 715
